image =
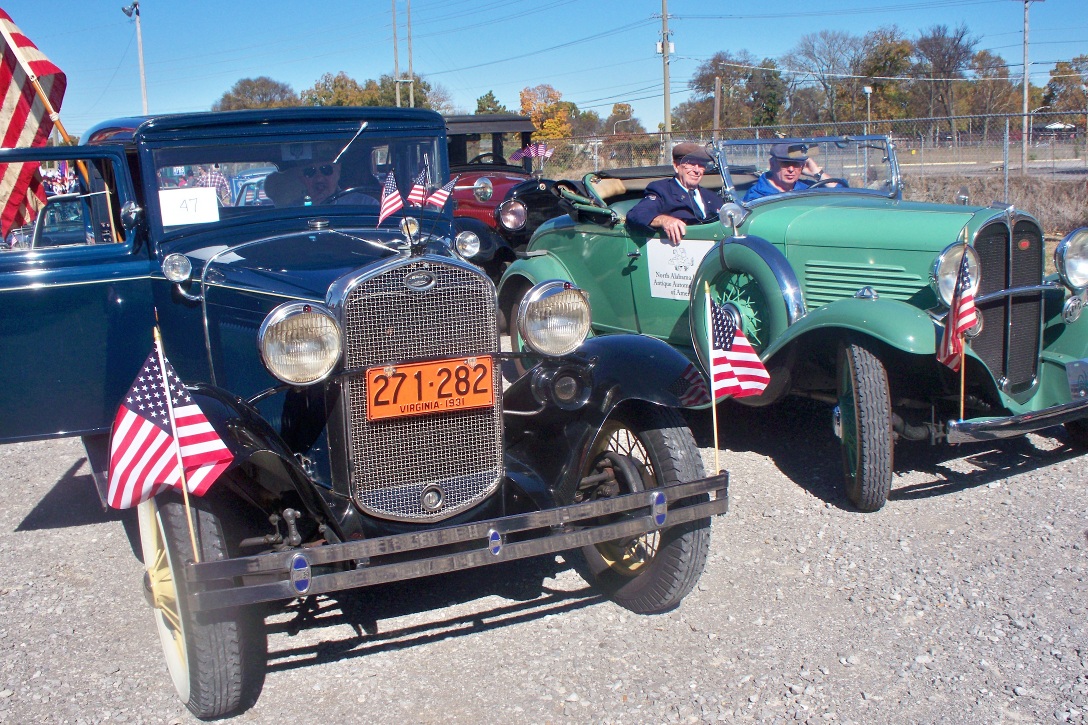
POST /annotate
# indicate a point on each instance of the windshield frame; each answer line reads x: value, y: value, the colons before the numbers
x: 872, y: 144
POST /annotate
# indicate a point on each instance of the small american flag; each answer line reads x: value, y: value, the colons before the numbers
x: 419, y: 189
x: 439, y: 197
x: 533, y: 151
x: 961, y: 318
x: 143, y: 447
x: 391, y: 201
x: 735, y: 368
x: 24, y: 121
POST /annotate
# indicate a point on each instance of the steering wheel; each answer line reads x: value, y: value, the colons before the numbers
x: 331, y: 199
x: 479, y: 158
x: 828, y: 181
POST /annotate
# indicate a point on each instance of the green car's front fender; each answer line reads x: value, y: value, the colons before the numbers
x: 524, y: 273
x: 897, y: 324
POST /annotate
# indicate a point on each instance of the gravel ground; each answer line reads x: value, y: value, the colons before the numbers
x: 963, y: 600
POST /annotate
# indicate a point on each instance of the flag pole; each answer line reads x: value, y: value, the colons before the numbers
x: 963, y: 340
x: 713, y: 400
x: 177, y: 443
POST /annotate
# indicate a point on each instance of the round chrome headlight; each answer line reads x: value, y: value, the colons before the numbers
x: 300, y: 342
x: 946, y: 268
x: 467, y: 244
x: 177, y: 268
x: 512, y: 214
x: 553, y: 318
x: 1071, y: 259
x: 483, y: 189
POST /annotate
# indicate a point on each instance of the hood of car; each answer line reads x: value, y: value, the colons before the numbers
x: 298, y: 265
x: 851, y: 221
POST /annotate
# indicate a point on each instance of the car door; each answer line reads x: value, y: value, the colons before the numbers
x: 75, y: 295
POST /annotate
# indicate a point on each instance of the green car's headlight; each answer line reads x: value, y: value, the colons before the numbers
x: 1071, y: 259
x: 947, y: 266
x: 300, y: 342
x: 553, y: 318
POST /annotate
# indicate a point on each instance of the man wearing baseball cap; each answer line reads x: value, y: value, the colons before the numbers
x: 670, y: 205
x: 788, y: 162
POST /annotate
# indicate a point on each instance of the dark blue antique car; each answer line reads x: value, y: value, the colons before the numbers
x: 352, y: 368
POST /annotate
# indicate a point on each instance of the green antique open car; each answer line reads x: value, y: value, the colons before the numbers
x: 843, y: 289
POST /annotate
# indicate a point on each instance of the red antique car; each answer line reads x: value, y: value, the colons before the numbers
x: 479, y: 149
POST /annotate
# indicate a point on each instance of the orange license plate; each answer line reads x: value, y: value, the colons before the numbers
x: 442, y: 386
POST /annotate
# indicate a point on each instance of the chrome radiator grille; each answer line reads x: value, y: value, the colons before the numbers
x: 394, y: 460
x: 1010, y: 337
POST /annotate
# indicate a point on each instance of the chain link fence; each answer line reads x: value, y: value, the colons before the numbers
x: 937, y: 156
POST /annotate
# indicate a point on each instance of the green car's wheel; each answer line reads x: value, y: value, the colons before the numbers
x: 865, y: 427
x: 654, y: 572
x: 206, y: 653
x: 744, y: 293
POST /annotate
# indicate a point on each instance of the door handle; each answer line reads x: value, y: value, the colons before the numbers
x: 634, y: 255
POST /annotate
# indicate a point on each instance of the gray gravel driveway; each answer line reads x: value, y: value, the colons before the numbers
x: 963, y: 600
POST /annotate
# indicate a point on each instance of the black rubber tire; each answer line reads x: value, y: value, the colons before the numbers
x: 666, y: 447
x: 213, y: 671
x: 1076, y: 432
x: 867, y: 439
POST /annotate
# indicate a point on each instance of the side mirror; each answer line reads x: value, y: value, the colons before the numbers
x: 732, y: 215
x: 131, y: 215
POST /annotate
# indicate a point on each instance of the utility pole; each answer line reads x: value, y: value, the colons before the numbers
x: 396, y: 55
x: 667, y: 145
x: 411, y: 75
x: 1027, y: 82
x: 717, y: 107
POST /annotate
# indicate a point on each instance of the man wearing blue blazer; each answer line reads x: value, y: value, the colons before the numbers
x: 671, y: 204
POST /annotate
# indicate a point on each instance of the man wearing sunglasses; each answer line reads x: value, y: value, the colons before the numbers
x: 788, y: 163
x: 669, y: 205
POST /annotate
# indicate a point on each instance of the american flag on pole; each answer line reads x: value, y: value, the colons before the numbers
x: 419, y: 189
x: 391, y: 201
x: 144, y: 446
x: 735, y: 368
x: 961, y: 318
x: 533, y: 151
x: 439, y: 197
x: 25, y: 120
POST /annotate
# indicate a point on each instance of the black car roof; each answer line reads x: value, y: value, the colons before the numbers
x: 489, y: 123
x: 123, y: 130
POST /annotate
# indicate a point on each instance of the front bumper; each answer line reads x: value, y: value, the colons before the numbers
x: 965, y: 431
x: 289, y: 574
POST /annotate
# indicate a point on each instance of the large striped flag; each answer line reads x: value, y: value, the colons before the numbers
x: 441, y: 195
x: 961, y: 318
x: 391, y: 199
x: 24, y: 121
x: 735, y: 368
x: 144, y: 447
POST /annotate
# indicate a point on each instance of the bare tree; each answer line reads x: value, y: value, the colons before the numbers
x: 825, y: 57
x: 993, y: 91
x: 943, y: 56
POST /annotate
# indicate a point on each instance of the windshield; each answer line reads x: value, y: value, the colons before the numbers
x: 856, y: 163
x: 207, y: 184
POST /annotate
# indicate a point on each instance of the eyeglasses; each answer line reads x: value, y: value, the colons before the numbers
x: 311, y: 171
x: 791, y: 164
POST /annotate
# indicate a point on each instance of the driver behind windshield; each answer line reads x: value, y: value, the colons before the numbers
x: 671, y: 204
x: 788, y: 163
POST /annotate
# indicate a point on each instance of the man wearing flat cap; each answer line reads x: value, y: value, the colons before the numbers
x: 671, y: 204
x: 788, y: 162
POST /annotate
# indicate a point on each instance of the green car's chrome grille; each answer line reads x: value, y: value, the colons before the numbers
x: 829, y: 281
x: 394, y: 460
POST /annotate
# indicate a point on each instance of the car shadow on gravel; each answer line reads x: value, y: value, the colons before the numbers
x: 796, y: 435
x: 362, y: 610
x: 71, y: 502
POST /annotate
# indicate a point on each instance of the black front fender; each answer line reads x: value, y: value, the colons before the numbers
x: 620, y: 370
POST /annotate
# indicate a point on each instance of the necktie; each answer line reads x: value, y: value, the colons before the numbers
x: 695, y: 205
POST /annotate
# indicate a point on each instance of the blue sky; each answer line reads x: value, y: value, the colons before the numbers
x: 596, y: 52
